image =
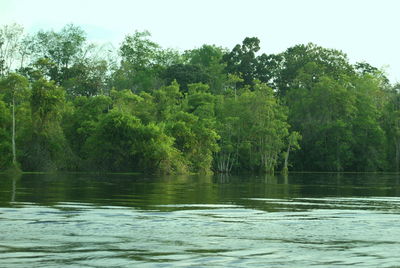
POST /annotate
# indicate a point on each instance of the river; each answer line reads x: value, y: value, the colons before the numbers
x: 302, y: 220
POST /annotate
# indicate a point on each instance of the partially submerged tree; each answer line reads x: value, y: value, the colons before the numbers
x: 293, y: 144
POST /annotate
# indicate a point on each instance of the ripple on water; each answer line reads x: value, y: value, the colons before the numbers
x: 323, y: 232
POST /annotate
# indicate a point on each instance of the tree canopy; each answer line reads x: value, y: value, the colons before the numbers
x: 67, y: 104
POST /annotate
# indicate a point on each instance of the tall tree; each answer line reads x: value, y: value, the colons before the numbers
x: 54, y: 53
x: 253, y: 130
x: 200, y: 104
x: 323, y: 113
x: 5, y: 141
x: 47, y: 148
x: 391, y: 124
x: 210, y: 59
x: 293, y: 144
x: 15, y: 86
x: 369, y: 137
x: 242, y: 60
x: 185, y: 74
x: 10, y: 37
x: 142, y: 62
x: 62, y: 47
x: 310, y: 59
x: 80, y: 121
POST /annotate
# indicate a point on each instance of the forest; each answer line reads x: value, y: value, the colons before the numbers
x: 67, y: 104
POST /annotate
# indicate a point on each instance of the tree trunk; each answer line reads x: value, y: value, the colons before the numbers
x: 397, y: 155
x: 13, y: 133
x: 285, y: 164
x: 338, y: 164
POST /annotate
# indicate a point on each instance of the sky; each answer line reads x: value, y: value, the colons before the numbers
x: 366, y: 30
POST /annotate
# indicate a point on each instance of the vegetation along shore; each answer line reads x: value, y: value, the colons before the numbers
x: 70, y: 105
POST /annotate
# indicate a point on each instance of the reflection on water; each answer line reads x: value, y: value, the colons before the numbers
x: 77, y: 220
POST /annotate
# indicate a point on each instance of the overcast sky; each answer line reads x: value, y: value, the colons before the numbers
x: 366, y: 30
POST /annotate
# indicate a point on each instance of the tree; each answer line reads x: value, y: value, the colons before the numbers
x: 323, y: 112
x: 167, y: 101
x: 66, y: 58
x: 311, y: 59
x: 47, y: 148
x: 80, y: 121
x: 122, y: 143
x: 26, y: 49
x: 200, y: 104
x: 15, y: 87
x: 139, y: 51
x: 142, y: 62
x: 195, y: 139
x: 369, y: 137
x: 391, y: 125
x: 266, y: 128
x: 185, y: 74
x: 242, y: 60
x: 63, y: 47
x: 5, y: 141
x: 253, y: 129
x: 293, y: 144
x: 210, y: 59
x: 229, y: 128
x: 140, y: 105
x: 10, y: 36
x: 85, y: 78
x: 54, y: 53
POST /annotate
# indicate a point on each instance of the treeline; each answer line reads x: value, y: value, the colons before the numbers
x: 67, y: 104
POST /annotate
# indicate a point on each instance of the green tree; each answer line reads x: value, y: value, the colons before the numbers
x: 293, y: 144
x: 323, y: 113
x: 191, y: 122
x: 243, y: 62
x: 68, y: 59
x: 47, y: 148
x: 195, y: 139
x: 229, y: 128
x: 310, y: 59
x: 391, y: 125
x: 142, y: 62
x: 266, y: 128
x: 10, y: 40
x: 80, y: 121
x: 200, y: 104
x: 140, y: 105
x: 185, y: 74
x: 86, y: 78
x: 63, y: 47
x: 253, y: 130
x: 15, y: 88
x: 5, y: 141
x: 167, y: 101
x: 52, y: 53
x: 369, y: 137
x: 122, y: 143
x: 139, y: 51
x: 210, y: 59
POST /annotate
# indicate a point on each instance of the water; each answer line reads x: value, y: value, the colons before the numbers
x: 320, y: 220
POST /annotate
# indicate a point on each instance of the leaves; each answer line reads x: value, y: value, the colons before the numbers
x: 80, y: 106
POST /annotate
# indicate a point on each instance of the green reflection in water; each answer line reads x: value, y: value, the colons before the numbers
x: 300, y: 220
x: 146, y: 191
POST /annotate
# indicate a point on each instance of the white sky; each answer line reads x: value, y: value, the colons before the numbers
x: 366, y: 30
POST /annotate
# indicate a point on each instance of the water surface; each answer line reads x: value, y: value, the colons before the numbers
x: 320, y: 220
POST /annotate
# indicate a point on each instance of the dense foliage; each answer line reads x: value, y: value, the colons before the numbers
x: 67, y: 104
